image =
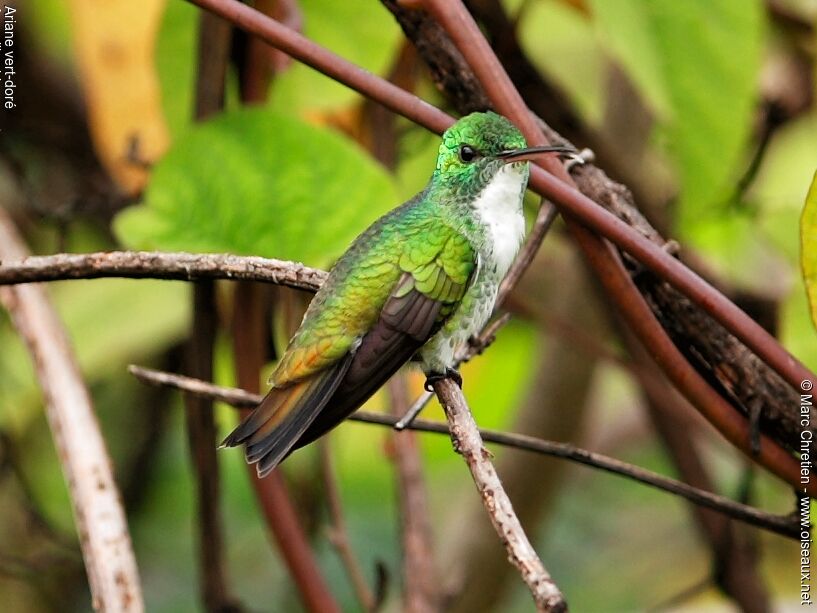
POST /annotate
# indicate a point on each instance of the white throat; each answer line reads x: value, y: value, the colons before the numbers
x: 499, y: 207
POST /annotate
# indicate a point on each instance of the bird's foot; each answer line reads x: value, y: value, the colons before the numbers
x: 449, y: 373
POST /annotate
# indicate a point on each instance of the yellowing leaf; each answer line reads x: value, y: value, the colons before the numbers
x: 808, y: 247
x: 114, y: 42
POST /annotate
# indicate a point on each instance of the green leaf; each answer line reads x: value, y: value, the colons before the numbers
x: 711, y: 51
x: 357, y: 30
x: 625, y: 29
x: 696, y: 62
x: 253, y: 182
x: 808, y: 247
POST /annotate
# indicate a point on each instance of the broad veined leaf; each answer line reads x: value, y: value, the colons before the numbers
x: 808, y: 247
x: 697, y: 64
x: 358, y: 30
x: 713, y: 95
x: 625, y: 29
x: 254, y: 182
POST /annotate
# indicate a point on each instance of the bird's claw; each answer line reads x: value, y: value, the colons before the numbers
x: 579, y: 158
x: 449, y: 373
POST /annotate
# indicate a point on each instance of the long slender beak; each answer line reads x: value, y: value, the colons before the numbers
x: 517, y: 155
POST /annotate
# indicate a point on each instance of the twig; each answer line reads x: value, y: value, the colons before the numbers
x: 338, y: 534
x: 420, y: 585
x: 158, y: 265
x: 214, y: 41
x: 98, y: 513
x: 468, y: 442
x: 559, y: 379
x: 784, y: 525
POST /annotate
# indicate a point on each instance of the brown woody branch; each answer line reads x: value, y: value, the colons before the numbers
x: 249, y: 332
x: 468, y: 442
x: 157, y: 265
x: 213, y: 52
x: 784, y: 525
x: 100, y: 519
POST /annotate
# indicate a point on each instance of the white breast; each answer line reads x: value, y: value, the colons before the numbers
x: 499, y: 206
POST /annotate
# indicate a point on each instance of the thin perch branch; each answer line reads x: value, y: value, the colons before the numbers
x: 158, y: 265
x: 98, y: 513
x: 468, y: 442
x: 781, y: 524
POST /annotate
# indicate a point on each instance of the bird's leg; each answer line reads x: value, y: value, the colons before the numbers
x: 450, y: 373
x: 431, y: 378
x: 414, y: 410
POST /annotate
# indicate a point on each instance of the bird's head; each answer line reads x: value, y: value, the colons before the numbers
x: 480, y: 145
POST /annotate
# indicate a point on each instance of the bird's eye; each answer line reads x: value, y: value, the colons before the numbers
x: 467, y: 153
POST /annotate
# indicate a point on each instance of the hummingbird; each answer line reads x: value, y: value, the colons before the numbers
x: 418, y: 283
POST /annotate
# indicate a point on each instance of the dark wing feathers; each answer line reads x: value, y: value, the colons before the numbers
x: 405, y: 324
x: 268, y: 437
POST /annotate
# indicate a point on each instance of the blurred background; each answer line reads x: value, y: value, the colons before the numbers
x: 705, y: 109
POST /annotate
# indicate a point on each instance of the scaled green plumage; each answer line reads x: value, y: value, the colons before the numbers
x: 351, y: 299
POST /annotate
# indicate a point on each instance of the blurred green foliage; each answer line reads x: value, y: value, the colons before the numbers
x: 278, y: 181
x: 255, y: 182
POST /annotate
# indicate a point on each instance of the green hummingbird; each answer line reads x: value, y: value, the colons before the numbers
x: 417, y: 283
